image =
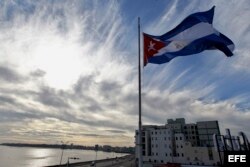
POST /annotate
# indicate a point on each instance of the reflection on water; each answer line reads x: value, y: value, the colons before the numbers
x: 38, y: 157
x: 27, y: 157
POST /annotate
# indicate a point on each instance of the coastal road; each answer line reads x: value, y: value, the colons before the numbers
x: 127, y: 161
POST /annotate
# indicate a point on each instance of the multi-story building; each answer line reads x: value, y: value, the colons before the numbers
x: 179, y: 142
x: 206, y: 130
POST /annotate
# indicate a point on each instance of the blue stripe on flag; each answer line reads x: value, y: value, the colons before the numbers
x: 191, y: 20
x: 208, y: 42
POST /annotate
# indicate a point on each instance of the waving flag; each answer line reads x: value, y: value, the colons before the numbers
x: 193, y: 35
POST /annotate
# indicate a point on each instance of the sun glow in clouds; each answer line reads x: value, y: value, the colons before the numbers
x: 60, y: 59
x: 60, y: 55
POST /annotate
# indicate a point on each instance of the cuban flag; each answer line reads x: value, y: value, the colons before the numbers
x: 193, y: 35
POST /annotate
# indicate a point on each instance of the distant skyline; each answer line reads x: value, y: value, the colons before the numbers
x: 68, y: 70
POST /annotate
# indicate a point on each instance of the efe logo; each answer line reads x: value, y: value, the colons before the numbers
x: 237, y: 158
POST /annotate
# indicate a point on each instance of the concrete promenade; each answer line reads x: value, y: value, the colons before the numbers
x: 126, y: 161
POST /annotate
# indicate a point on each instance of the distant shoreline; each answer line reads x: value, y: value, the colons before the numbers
x: 126, y: 150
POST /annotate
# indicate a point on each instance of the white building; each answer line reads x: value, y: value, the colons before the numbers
x: 178, y: 142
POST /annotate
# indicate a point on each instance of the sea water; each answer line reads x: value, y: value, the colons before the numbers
x: 38, y: 157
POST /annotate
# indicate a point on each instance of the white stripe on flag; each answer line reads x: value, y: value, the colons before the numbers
x: 185, y: 37
x: 195, y: 32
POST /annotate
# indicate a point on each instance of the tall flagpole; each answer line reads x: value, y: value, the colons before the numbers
x: 139, y: 85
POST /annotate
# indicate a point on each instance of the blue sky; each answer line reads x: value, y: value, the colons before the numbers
x: 68, y: 70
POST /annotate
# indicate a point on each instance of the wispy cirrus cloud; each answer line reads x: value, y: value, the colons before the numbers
x: 67, y: 51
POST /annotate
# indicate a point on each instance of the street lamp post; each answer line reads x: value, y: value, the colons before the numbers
x: 68, y: 162
x: 113, y: 158
x: 96, y: 149
x: 63, y: 146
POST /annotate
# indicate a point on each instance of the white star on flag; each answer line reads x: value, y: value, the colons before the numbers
x: 151, y: 46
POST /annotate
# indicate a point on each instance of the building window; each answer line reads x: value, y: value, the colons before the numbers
x: 165, y: 138
x: 176, y: 138
x: 182, y: 154
x: 156, y: 145
x: 177, y: 154
x: 152, y: 133
x: 181, y: 146
x: 155, y: 132
x: 156, y: 153
x: 152, y: 153
x: 161, y: 161
x: 180, y: 138
x: 177, y: 146
x: 155, y: 138
x: 166, y: 154
x: 152, y: 146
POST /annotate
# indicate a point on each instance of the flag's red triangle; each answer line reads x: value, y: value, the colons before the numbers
x: 151, y: 47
